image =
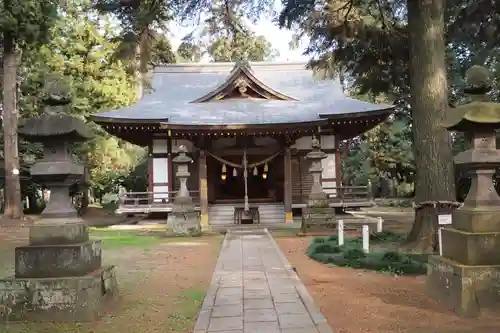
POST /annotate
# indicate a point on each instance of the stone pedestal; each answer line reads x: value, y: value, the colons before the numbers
x: 58, y: 277
x: 184, y: 223
x: 466, y: 277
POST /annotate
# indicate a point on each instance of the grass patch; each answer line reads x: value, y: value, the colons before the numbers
x: 118, y: 238
x: 290, y: 232
x: 188, y: 306
x: 326, y: 250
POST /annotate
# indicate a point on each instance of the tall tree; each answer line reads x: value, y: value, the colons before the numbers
x: 370, y: 40
x: 429, y: 100
x: 23, y: 24
x: 82, y: 50
x: 140, y: 22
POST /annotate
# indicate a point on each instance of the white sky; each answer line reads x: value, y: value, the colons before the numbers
x: 279, y: 38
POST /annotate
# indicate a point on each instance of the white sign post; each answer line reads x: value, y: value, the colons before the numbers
x: 340, y: 230
x: 380, y: 221
x: 366, y: 238
x: 443, y: 220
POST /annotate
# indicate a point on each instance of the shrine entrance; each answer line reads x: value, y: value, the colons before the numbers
x: 264, y: 181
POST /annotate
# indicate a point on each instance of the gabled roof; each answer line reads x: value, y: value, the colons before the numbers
x: 244, y: 93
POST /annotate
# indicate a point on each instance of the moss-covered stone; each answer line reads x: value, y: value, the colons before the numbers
x: 69, y: 299
x: 463, y: 289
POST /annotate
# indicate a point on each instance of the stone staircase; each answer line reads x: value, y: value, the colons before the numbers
x: 270, y: 214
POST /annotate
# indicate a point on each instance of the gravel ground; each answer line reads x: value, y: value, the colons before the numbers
x: 161, y: 287
x: 355, y: 301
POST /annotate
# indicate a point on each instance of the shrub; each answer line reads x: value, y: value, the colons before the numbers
x: 318, y: 240
x: 351, y: 255
x: 327, y: 248
x: 333, y: 238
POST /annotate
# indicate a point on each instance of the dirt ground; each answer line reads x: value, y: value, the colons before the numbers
x: 355, y: 301
x: 162, y: 282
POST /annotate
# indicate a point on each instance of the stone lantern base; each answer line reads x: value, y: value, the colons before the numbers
x: 58, y: 277
x: 466, y: 277
x: 464, y: 289
x: 184, y: 221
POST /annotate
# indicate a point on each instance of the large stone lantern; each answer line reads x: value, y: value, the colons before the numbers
x: 318, y: 210
x: 184, y: 220
x: 317, y: 196
x: 58, y: 275
x: 467, y: 275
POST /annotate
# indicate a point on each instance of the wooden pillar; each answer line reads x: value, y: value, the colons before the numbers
x: 150, y: 167
x: 202, y: 173
x: 171, y: 171
x: 288, y: 186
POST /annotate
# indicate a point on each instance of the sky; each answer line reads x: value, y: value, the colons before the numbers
x: 279, y: 39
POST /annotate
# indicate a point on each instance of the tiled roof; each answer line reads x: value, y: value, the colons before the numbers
x: 176, y: 86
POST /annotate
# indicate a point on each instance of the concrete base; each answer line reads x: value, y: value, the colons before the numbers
x: 463, y: 289
x: 184, y: 223
x: 45, y: 261
x: 67, y: 299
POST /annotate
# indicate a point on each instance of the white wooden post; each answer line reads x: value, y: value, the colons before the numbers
x: 366, y: 238
x: 443, y: 220
x: 440, y: 241
x: 340, y: 230
x: 380, y: 221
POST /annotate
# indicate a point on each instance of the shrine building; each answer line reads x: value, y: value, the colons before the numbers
x: 248, y: 128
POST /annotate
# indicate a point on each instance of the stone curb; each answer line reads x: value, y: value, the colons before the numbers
x: 205, y: 312
x: 316, y: 315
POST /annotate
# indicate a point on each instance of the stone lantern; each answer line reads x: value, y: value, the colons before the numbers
x: 317, y: 196
x: 318, y: 210
x: 467, y: 275
x: 184, y: 220
x: 59, y: 274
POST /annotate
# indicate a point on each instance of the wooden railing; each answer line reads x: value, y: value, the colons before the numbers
x: 350, y: 192
x: 342, y: 194
x: 150, y: 199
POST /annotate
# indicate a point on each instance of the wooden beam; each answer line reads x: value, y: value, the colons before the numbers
x: 288, y: 186
x: 171, y: 170
x: 202, y: 174
x: 150, y: 167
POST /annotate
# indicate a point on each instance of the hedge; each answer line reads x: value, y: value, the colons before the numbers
x: 326, y: 250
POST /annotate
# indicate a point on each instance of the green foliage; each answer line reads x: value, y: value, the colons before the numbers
x: 137, y: 179
x: 226, y: 37
x: 28, y: 22
x: 82, y: 50
x: 351, y: 255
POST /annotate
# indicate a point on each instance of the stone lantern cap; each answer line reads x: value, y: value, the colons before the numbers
x: 182, y: 158
x: 480, y: 113
x: 316, y: 153
x: 54, y: 126
x: 54, y: 123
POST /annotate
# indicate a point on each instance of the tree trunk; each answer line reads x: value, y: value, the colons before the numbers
x: 429, y: 103
x: 13, y: 207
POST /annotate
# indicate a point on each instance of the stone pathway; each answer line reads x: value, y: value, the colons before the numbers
x: 255, y: 290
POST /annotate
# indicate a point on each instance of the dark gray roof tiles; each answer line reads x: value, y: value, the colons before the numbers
x: 175, y: 86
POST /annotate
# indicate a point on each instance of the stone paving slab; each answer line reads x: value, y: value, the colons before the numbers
x: 255, y: 290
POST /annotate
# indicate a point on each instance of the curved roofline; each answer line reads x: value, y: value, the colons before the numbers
x: 371, y: 113
x: 243, y: 126
x: 164, y: 121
